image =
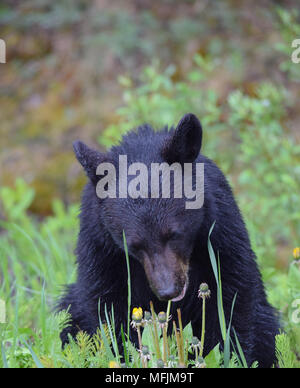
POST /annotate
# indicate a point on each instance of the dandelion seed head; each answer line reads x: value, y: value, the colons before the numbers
x: 204, y: 291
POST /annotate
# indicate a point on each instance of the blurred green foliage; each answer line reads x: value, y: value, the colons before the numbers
x: 65, y: 57
x: 158, y: 99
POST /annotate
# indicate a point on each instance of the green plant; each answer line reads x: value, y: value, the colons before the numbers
x: 157, y: 99
x: 286, y: 358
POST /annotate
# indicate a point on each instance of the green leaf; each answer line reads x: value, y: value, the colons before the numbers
x: 213, y: 359
x: 240, y: 350
x: 148, y: 338
x: 188, y: 332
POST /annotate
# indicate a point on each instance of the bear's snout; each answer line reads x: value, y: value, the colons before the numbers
x: 167, y: 275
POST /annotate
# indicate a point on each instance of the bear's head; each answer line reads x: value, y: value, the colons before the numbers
x: 160, y: 226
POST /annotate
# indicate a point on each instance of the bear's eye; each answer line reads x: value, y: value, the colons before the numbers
x: 171, y: 236
x: 136, y: 248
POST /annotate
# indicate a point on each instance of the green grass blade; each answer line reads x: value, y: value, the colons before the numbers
x: 216, y: 271
x: 110, y: 330
x: 103, y: 335
x: 5, y: 364
x: 227, y: 340
x: 220, y: 296
x: 129, y: 288
x: 114, y: 330
x: 240, y: 350
x: 34, y: 356
x: 126, y: 354
x: 212, y: 255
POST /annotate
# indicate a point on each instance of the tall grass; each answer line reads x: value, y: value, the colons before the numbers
x: 37, y: 259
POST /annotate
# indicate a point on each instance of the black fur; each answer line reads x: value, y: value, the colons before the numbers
x: 102, y: 272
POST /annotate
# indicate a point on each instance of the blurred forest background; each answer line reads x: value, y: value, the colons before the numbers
x: 66, y: 61
x: 91, y: 70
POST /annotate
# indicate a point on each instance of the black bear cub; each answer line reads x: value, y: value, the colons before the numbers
x: 167, y: 243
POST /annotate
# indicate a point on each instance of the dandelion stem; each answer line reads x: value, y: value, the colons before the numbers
x: 139, y: 337
x: 156, y: 341
x: 181, y: 333
x: 144, y: 363
x: 165, y: 330
x: 165, y: 348
x: 168, y: 311
x: 179, y: 347
x: 203, y: 327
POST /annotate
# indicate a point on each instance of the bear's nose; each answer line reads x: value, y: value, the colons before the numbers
x: 168, y: 293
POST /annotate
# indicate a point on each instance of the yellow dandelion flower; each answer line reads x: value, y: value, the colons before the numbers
x: 137, y: 314
x: 113, y: 364
x: 296, y: 253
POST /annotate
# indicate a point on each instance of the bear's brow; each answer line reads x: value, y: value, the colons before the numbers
x: 169, y: 234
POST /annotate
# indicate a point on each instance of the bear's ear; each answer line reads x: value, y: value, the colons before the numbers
x: 88, y: 158
x: 185, y: 144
